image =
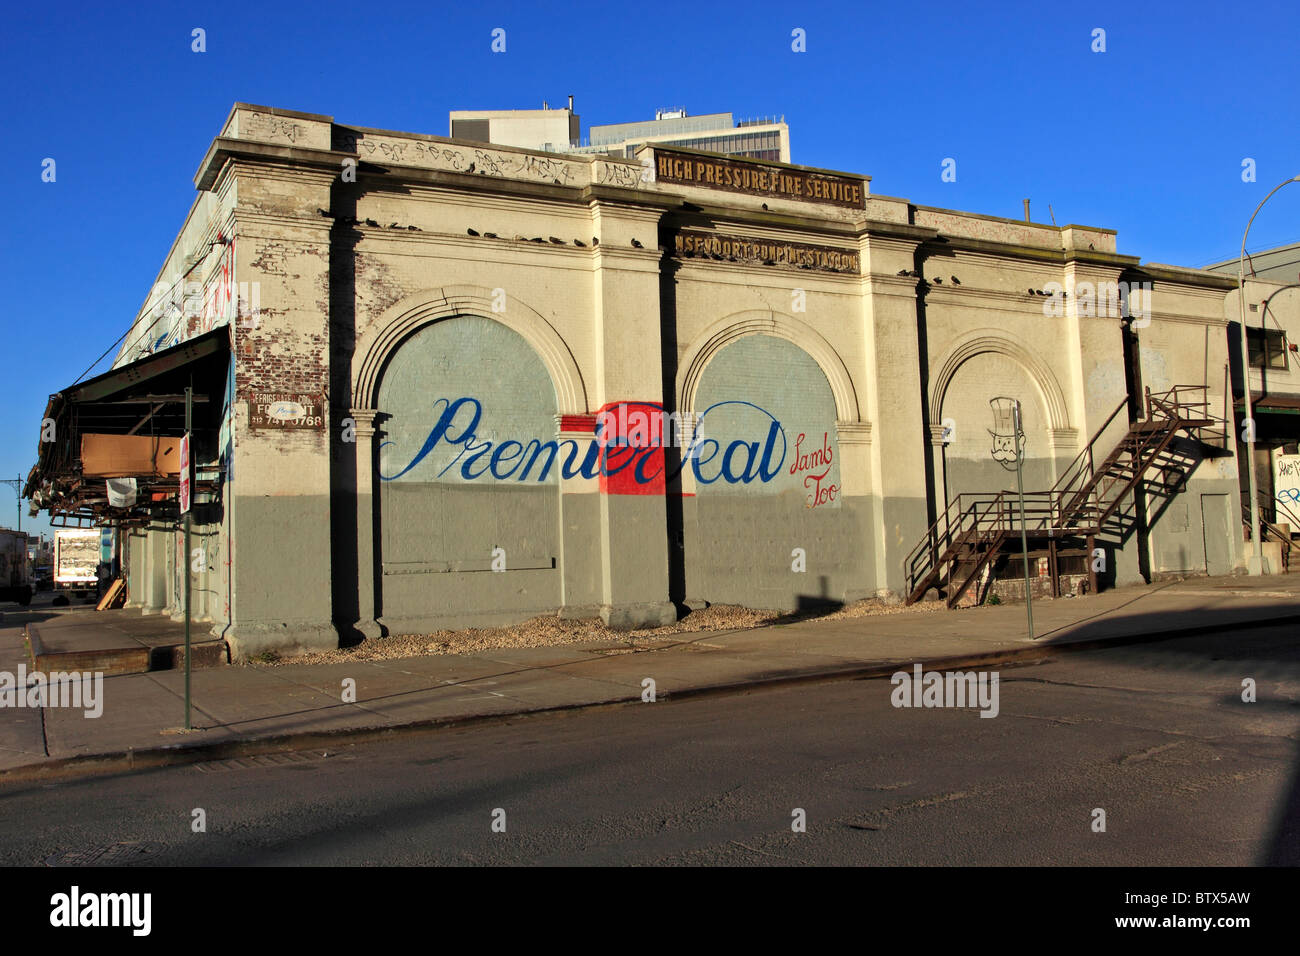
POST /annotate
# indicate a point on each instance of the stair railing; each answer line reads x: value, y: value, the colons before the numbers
x: 1073, y: 487
x: 959, y: 518
x: 1189, y: 405
x: 1079, y: 500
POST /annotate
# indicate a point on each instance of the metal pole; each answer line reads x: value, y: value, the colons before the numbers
x: 1024, y: 534
x: 18, y: 491
x: 1255, y: 563
x: 189, y: 404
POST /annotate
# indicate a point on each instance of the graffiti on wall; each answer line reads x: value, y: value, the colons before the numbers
x: 1286, y: 486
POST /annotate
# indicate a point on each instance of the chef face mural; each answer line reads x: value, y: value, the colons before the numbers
x: 982, y: 448
x: 1008, y: 437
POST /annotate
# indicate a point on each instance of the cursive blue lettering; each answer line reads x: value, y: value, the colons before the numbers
x: 439, y: 430
x: 498, y: 456
x: 605, y: 454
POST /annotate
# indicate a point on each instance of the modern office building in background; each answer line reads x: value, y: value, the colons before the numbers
x: 555, y: 131
x: 1279, y: 264
x: 559, y: 131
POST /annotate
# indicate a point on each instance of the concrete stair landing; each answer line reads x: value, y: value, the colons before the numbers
x: 121, y: 641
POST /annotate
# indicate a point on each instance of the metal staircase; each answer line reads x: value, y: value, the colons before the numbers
x: 1087, y: 500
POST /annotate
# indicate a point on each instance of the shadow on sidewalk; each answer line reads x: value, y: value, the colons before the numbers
x: 1155, y: 635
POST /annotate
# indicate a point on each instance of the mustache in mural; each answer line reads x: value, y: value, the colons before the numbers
x: 1005, y: 432
x: 1004, y: 447
x: 742, y: 462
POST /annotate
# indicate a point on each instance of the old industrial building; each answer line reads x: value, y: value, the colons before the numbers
x: 441, y: 383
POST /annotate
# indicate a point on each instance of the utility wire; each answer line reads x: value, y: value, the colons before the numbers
x: 198, y: 262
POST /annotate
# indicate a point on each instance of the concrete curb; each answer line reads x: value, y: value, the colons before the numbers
x: 120, y: 661
x: 182, y: 754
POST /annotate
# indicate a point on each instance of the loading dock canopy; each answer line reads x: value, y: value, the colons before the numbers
x: 127, y: 423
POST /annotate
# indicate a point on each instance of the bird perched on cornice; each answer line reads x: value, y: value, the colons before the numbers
x: 579, y: 242
x: 554, y: 241
x: 955, y: 280
x: 371, y: 222
x: 938, y: 280
x: 490, y: 235
x: 594, y: 241
x: 637, y: 244
x: 471, y: 232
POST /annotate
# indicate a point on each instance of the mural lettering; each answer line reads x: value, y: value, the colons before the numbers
x: 620, y: 444
x: 808, y: 463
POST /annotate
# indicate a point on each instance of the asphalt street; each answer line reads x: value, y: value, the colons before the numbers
x: 1156, y: 735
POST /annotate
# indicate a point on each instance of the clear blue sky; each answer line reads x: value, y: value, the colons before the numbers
x: 1147, y: 138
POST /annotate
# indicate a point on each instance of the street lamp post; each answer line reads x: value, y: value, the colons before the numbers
x: 18, y: 490
x: 1255, y: 562
x: 1000, y: 405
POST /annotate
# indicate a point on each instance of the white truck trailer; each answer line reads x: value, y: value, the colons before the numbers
x: 76, y: 561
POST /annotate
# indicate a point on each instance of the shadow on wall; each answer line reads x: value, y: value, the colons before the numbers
x: 674, y: 514
x: 344, y: 565
x: 815, y: 605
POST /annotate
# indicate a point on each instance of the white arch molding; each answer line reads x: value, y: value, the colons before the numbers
x: 755, y: 322
x: 409, y: 314
x: 980, y: 341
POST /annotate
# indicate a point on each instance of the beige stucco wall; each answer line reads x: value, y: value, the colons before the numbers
x: 575, y: 254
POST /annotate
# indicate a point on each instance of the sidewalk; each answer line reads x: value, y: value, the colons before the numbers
x: 120, y: 641
x: 251, y: 708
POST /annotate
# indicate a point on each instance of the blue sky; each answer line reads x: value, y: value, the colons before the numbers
x: 1147, y: 138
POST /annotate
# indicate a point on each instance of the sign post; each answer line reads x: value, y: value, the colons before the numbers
x: 18, y: 490
x: 184, y: 494
x: 1000, y: 407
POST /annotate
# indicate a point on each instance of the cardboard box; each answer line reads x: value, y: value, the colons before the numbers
x: 124, y: 456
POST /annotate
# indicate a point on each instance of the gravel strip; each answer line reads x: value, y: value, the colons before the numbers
x: 550, y: 631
